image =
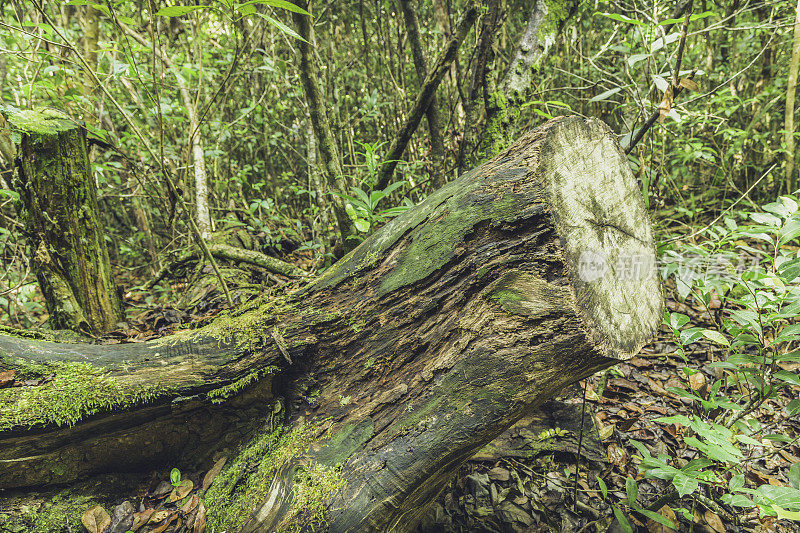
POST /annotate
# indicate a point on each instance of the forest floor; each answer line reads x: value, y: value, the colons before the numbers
x: 524, y: 481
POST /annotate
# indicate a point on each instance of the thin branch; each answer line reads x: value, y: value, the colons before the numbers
x: 446, y: 57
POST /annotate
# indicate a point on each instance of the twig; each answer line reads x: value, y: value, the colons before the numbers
x: 675, y: 88
x: 427, y: 91
x: 742, y: 197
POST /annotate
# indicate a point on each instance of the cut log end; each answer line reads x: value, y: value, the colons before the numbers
x: 605, y: 233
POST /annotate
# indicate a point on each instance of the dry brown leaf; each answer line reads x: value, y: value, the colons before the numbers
x: 141, y: 518
x: 656, y: 527
x: 6, y: 378
x: 158, y: 516
x: 714, y: 521
x: 688, y: 84
x: 190, y: 504
x: 96, y: 519
x: 165, y: 525
x: 714, y: 301
x: 181, y: 491
x: 666, y: 105
x: 200, y: 519
x: 789, y: 457
x: 208, y: 479
x: 697, y: 381
x: 617, y: 455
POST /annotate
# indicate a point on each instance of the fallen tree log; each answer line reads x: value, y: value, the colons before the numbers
x: 378, y: 379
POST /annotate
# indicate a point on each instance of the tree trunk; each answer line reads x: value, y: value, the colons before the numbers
x: 440, y: 331
x: 334, y: 179
x: 58, y: 207
x: 432, y: 113
x: 790, y: 96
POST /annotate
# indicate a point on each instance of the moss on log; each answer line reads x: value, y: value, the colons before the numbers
x: 439, y: 332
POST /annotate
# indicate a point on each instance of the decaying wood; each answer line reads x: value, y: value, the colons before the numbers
x: 440, y: 331
x: 61, y: 220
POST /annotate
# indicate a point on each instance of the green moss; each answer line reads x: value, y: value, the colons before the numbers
x: 244, y: 483
x: 72, y: 392
x: 507, y: 296
x: 313, y: 486
x: 501, y: 113
x: 433, y: 244
x: 345, y: 442
x: 416, y: 416
x: 223, y: 393
x: 42, y: 120
x: 62, y: 513
x: 247, y: 328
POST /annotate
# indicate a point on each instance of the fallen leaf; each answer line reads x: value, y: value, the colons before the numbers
x: 141, y: 518
x: 158, y: 516
x: 96, y: 519
x: 181, y: 491
x: 190, y: 504
x: 617, y: 455
x: 165, y: 525
x: 656, y: 527
x: 6, y: 378
x: 697, y: 381
x: 208, y: 479
x: 714, y: 521
x: 691, y: 85
x: 200, y: 519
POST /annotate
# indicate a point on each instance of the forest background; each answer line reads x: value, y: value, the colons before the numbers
x: 243, y: 123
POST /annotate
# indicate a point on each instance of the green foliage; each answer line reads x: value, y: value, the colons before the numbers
x: 757, y: 338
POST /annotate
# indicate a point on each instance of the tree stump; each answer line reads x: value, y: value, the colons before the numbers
x: 58, y: 208
x: 381, y: 377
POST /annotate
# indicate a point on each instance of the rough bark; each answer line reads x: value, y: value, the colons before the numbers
x: 440, y: 331
x: 58, y: 207
x: 502, y: 103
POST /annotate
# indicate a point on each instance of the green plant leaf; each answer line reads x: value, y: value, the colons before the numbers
x: 605, y: 94
x: 716, y: 336
x: 736, y: 482
x: 177, y: 11
x: 361, y: 225
x: 603, y: 487
x: 656, y: 517
x: 784, y: 514
x: 788, y: 377
x: 685, y: 484
x: 794, y: 475
x: 282, y: 27
x: 678, y: 320
x: 631, y: 490
x: 175, y: 477
x: 623, y: 520
x: 283, y: 4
